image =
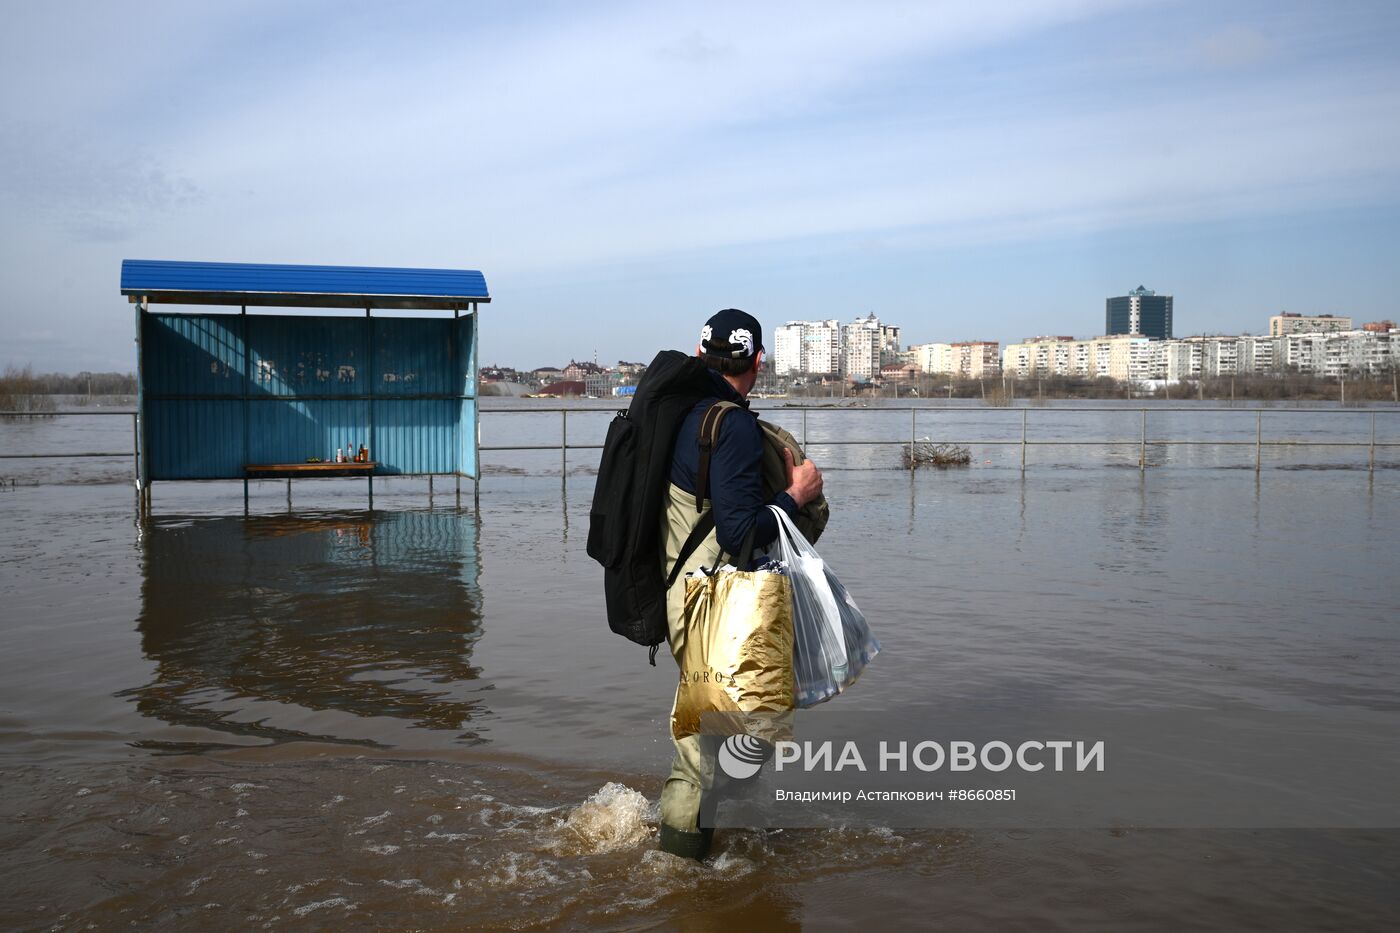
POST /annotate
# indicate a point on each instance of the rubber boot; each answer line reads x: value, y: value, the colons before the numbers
x: 684, y: 816
x: 686, y: 845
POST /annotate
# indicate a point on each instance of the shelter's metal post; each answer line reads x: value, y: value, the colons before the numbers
x: 457, y: 427
x: 476, y: 448
x: 289, y: 494
x: 369, y: 385
x: 136, y: 457
x: 143, y: 467
x: 247, y: 426
x: 804, y: 429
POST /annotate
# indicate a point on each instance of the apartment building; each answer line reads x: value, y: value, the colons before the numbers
x: 1333, y: 354
x: 970, y: 359
x: 1285, y: 324
x: 978, y: 358
x: 807, y: 347
x: 862, y: 340
x: 1120, y: 356
x: 933, y: 357
x: 889, y: 344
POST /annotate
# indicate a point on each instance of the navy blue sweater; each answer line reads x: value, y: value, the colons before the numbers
x: 736, y: 472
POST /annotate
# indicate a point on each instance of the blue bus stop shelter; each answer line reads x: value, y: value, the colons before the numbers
x: 239, y: 395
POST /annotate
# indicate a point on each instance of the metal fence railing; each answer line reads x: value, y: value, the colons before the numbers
x: 1142, y: 441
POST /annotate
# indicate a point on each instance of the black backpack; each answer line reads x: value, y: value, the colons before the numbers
x: 624, y: 523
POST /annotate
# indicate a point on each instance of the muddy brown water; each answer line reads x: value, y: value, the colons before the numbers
x: 415, y: 718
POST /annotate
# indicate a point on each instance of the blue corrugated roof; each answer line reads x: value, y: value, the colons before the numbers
x: 314, y: 286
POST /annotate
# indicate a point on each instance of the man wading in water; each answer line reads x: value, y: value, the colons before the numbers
x: 731, y: 345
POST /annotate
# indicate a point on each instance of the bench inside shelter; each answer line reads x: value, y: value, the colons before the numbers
x: 301, y: 470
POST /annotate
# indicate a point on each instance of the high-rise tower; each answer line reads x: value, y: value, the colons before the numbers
x: 1141, y: 311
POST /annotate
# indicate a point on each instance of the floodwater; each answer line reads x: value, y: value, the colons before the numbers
x: 416, y: 717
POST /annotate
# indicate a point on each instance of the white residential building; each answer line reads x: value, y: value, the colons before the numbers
x: 1331, y: 354
x: 787, y: 348
x: 825, y: 348
x: 933, y: 357
x: 978, y: 358
x: 971, y: 359
x: 1120, y: 356
x: 1257, y: 354
x: 889, y: 344
x: 1356, y: 352
x: 860, y: 348
x: 807, y: 347
x: 1194, y: 357
x: 1183, y: 359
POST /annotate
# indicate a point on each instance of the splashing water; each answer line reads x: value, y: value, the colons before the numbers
x: 616, y: 817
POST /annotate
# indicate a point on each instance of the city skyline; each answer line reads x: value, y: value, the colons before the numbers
x: 619, y: 171
x: 1333, y: 345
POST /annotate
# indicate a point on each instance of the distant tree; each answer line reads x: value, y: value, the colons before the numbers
x: 20, y: 390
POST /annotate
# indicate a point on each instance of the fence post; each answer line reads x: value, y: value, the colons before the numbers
x: 564, y: 444
x: 913, y: 435
x: 1142, y: 447
x: 1372, y: 464
x: 804, y: 429
x: 1024, y: 412
x: 1258, y: 441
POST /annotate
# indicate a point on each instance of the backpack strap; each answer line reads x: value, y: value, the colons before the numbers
x: 697, y: 535
x: 709, y: 436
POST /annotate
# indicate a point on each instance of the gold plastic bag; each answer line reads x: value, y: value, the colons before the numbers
x: 737, y: 655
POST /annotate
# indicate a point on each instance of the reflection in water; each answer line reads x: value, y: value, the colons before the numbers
x: 1135, y: 530
x: 255, y: 625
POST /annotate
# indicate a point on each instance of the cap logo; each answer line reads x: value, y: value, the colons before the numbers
x: 707, y: 333
x: 742, y: 336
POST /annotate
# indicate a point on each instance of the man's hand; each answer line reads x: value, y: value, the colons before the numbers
x: 804, y: 482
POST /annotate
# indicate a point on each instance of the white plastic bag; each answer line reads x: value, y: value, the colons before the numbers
x: 831, y: 639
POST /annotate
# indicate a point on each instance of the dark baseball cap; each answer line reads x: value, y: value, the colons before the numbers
x: 732, y: 333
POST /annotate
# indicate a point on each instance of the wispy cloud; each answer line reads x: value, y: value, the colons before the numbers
x: 535, y: 141
x: 86, y: 191
x: 1235, y: 45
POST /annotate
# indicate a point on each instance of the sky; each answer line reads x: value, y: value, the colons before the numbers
x: 620, y: 171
